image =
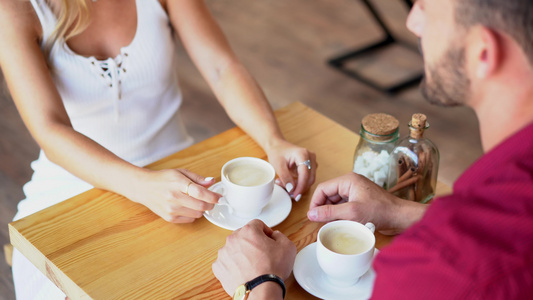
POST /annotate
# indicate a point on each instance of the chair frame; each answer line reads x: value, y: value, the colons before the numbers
x: 339, y: 61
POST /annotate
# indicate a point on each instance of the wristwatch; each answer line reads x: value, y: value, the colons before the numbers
x: 242, y: 291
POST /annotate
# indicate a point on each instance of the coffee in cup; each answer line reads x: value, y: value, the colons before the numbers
x: 247, y: 186
x: 248, y: 173
x: 345, y: 250
x: 343, y: 241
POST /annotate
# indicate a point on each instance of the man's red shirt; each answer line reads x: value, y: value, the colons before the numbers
x: 474, y: 244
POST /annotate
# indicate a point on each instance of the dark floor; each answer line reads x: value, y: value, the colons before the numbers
x: 285, y: 44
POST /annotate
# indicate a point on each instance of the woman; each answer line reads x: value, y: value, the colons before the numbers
x: 95, y: 83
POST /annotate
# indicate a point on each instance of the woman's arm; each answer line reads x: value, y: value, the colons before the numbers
x: 237, y: 90
x: 44, y: 114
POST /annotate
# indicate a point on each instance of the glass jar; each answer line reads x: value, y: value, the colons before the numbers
x: 379, y: 134
x: 414, y: 164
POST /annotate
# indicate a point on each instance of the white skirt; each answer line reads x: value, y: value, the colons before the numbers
x: 30, y: 283
x: 49, y: 185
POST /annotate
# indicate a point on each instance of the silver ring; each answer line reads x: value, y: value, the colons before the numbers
x: 307, y: 163
x: 187, y: 189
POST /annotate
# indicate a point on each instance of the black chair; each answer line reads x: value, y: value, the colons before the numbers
x: 388, y: 40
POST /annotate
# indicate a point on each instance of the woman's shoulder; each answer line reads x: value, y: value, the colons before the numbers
x: 18, y: 19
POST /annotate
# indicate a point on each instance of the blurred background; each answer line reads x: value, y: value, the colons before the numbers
x: 286, y: 45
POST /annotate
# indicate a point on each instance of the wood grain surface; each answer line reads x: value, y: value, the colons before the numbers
x: 101, y: 245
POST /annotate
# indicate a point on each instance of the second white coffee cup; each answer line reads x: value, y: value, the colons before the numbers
x: 247, y: 186
x: 345, y: 250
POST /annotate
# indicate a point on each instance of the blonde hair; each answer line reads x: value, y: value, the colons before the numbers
x: 73, y: 18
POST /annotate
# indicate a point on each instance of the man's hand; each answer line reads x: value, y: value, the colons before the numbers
x: 252, y: 251
x: 354, y: 197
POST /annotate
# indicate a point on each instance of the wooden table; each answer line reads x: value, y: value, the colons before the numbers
x: 101, y: 245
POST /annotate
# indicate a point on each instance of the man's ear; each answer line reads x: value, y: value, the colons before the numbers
x: 485, y: 52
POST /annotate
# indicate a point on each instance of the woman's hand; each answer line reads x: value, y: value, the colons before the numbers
x: 176, y: 195
x: 289, y: 162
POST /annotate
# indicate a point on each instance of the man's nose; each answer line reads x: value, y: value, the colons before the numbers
x: 415, y: 20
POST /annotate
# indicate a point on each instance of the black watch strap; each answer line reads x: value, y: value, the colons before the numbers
x: 264, y: 278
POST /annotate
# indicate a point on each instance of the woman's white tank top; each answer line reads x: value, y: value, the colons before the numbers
x: 128, y: 104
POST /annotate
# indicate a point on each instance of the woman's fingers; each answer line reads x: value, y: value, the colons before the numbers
x: 192, y: 203
x: 285, y: 177
x: 198, y: 179
x: 306, y: 174
x: 196, y: 191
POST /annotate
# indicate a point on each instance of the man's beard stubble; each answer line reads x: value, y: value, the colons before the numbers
x: 449, y: 85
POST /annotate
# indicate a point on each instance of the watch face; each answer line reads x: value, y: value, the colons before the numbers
x: 240, y: 293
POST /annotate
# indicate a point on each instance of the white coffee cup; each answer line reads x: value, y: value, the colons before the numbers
x: 247, y: 186
x: 345, y: 250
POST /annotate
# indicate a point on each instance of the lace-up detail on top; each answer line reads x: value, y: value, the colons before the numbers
x: 110, y: 71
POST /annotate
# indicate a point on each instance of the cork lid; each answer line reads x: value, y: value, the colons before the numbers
x: 418, y: 121
x: 380, y: 124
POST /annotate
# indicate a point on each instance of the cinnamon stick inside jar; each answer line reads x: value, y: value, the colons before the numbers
x: 407, y: 174
x: 406, y: 183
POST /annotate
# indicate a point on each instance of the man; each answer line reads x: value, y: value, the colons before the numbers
x: 474, y: 244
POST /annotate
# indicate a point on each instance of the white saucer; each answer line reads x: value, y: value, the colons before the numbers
x: 273, y: 213
x: 312, y: 279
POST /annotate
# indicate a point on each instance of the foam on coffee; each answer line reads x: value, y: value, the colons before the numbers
x: 248, y: 173
x: 344, y: 241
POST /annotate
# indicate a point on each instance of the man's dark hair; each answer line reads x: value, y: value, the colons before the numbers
x: 512, y: 17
